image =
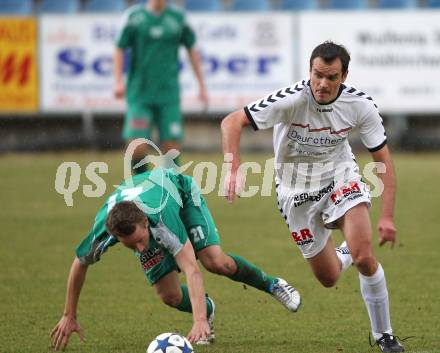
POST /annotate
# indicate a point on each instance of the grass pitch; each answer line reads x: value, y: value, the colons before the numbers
x: 120, y: 313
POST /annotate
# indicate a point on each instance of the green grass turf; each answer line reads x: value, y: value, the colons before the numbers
x: 120, y: 313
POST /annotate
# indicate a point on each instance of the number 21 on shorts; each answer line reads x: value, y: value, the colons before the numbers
x: 197, y: 233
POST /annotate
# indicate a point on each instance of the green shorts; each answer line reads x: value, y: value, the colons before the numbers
x: 197, y: 222
x: 141, y: 119
x: 196, y: 217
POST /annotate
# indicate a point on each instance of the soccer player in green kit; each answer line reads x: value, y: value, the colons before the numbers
x: 153, y: 32
x: 163, y: 217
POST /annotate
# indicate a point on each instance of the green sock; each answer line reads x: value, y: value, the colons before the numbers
x: 250, y: 274
x: 185, y: 304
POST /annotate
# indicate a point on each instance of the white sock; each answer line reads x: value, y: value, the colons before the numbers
x: 375, y: 294
x: 344, y: 258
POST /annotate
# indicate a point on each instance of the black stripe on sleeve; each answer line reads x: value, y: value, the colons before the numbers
x: 250, y: 118
x: 377, y: 148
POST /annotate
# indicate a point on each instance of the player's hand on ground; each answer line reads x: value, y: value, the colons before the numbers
x: 199, y: 331
x: 61, y: 333
x: 387, y: 231
x: 119, y: 90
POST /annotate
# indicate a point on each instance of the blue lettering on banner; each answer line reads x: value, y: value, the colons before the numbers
x: 104, y: 33
x: 70, y: 62
x: 74, y: 61
x: 221, y: 32
x: 103, y: 65
x: 239, y: 65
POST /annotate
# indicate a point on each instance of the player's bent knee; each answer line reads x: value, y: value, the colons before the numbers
x: 218, y: 267
x: 365, y: 263
x: 170, y: 299
x: 328, y: 281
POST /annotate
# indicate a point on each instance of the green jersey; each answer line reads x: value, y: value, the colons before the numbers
x: 176, y: 212
x: 158, y: 194
x: 154, y: 40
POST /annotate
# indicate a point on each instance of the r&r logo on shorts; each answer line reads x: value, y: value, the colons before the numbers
x: 303, y: 237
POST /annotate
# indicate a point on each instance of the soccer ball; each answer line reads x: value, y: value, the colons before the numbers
x: 170, y: 343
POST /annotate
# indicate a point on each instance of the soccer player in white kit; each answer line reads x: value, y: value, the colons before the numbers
x: 317, y: 179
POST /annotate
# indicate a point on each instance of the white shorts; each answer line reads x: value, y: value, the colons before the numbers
x: 311, y: 216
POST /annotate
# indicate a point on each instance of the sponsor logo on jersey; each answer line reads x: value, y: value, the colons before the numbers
x: 351, y: 192
x: 316, y: 137
x: 150, y: 258
x: 315, y: 141
x: 313, y: 197
x: 156, y: 32
x: 324, y: 110
x: 303, y: 237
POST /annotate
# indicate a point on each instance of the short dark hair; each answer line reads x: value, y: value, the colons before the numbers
x: 123, y: 218
x: 329, y: 51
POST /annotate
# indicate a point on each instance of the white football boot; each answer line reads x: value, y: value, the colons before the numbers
x: 344, y: 256
x: 343, y: 248
x: 286, y: 295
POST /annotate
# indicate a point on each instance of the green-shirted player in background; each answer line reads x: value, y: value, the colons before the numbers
x: 163, y: 217
x: 153, y: 33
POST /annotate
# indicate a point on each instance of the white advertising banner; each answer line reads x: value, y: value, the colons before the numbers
x: 244, y: 57
x: 395, y: 55
x: 76, y: 63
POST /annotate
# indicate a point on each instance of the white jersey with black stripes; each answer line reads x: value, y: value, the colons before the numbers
x: 311, y: 140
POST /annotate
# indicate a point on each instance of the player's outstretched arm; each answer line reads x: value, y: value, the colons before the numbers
x: 385, y: 227
x: 231, y: 127
x: 186, y: 260
x: 68, y: 324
